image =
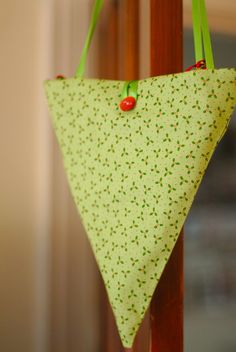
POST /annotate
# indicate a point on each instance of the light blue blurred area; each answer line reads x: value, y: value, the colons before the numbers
x: 210, y: 237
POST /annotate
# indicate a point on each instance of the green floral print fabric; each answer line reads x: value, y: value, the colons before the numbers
x: 133, y: 175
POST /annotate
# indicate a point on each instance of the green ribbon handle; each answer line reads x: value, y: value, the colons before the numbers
x: 95, y: 14
x: 130, y: 90
x: 201, y: 34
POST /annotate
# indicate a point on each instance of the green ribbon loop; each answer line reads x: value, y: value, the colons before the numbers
x: 201, y: 34
x: 130, y: 89
x: 95, y: 14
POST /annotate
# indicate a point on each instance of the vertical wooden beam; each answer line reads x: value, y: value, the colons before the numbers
x: 166, y: 36
x: 167, y: 302
x: 129, y: 39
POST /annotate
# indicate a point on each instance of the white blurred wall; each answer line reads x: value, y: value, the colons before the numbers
x: 39, y: 228
x: 24, y: 176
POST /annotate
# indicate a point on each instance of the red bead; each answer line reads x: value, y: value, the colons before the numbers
x: 201, y: 64
x: 60, y: 77
x: 127, y: 103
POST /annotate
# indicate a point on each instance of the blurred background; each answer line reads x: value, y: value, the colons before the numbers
x: 51, y: 294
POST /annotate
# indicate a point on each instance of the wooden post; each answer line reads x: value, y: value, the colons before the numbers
x: 167, y: 302
x: 166, y: 37
x: 129, y: 39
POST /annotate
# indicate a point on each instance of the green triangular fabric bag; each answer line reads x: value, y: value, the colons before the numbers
x: 133, y: 175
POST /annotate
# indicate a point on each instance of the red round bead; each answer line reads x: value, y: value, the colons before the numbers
x: 60, y: 77
x: 127, y: 103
